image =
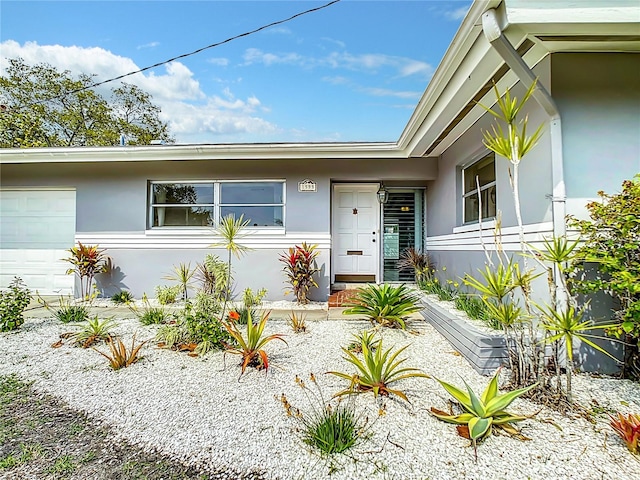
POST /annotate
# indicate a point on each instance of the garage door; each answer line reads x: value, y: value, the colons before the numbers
x: 36, y: 227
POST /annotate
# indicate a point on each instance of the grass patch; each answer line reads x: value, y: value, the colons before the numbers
x: 48, y: 439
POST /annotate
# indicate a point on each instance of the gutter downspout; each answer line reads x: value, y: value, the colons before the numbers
x: 493, y: 31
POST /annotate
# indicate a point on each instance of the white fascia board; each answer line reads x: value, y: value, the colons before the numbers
x: 462, y: 42
x: 201, y: 152
x: 478, y: 66
x: 532, y: 58
x: 572, y: 12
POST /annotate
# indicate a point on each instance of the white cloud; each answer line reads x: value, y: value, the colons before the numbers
x: 385, y: 92
x: 148, y: 45
x: 189, y: 111
x: 222, y: 62
x: 339, y: 43
x: 371, y: 62
x: 457, y: 14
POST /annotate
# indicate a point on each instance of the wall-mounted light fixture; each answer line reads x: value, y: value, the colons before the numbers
x: 383, y: 194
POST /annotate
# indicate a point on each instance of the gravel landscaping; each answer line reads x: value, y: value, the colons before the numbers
x: 199, y: 412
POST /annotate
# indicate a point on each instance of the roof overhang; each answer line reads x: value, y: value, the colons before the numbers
x: 449, y: 105
x: 464, y: 78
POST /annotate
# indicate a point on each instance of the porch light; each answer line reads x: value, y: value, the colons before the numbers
x: 383, y: 194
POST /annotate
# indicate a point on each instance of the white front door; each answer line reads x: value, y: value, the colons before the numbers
x: 355, y: 245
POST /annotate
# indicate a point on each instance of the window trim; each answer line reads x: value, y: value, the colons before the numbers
x: 216, y: 205
x: 474, y: 191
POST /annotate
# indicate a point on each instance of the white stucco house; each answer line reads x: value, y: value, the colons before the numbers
x: 151, y: 207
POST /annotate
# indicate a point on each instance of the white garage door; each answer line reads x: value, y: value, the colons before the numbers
x: 36, y: 227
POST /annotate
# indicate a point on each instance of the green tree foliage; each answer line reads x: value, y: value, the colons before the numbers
x: 42, y: 107
x: 612, y: 241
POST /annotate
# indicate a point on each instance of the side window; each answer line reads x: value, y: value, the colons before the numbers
x: 484, y: 171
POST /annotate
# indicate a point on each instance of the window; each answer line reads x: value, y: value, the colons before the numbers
x: 202, y: 204
x: 485, y: 172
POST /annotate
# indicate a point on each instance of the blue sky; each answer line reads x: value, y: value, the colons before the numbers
x: 351, y: 72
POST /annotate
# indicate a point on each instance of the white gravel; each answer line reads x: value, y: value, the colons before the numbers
x: 201, y: 412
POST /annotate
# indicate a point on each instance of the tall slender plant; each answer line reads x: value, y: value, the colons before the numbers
x: 230, y: 230
x: 182, y: 273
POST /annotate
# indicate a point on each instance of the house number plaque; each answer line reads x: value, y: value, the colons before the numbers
x: 307, y: 186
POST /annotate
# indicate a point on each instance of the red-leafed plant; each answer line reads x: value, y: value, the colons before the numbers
x: 300, y: 266
x: 629, y: 430
x: 87, y: 261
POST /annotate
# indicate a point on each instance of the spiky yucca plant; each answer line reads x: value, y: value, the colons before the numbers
x: 384, y: 304
x: 377, y: 371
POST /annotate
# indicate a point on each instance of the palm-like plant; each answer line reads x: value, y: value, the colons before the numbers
x: 568, y: 325
x: 377, y: 371
x: 230, y: 229
x: 251, y: 345
x: 182, y: 273
x: 484, y: 412
x: 384, y: 304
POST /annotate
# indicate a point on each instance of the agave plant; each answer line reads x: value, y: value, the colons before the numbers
x: 384, y: 304
x: 250, y: 346
x: 482, y: 413
x: 377, y: 371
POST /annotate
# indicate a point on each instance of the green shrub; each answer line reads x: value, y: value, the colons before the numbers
x: 207, y: 304
x: 195, y: 327
x: 167, y: 295
x: 13, y: 302
x: 124, y: 296
x: 213, y: 275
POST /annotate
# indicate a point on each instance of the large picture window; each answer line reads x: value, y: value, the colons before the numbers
x: 484, y: 171
x: 202, y: 204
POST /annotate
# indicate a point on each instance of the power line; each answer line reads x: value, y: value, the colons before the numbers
x: 184, y: 55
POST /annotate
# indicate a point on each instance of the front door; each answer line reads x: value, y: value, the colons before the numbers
x: 355, y: 233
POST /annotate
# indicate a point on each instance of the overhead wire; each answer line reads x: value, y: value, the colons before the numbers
x: 184, y: 55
